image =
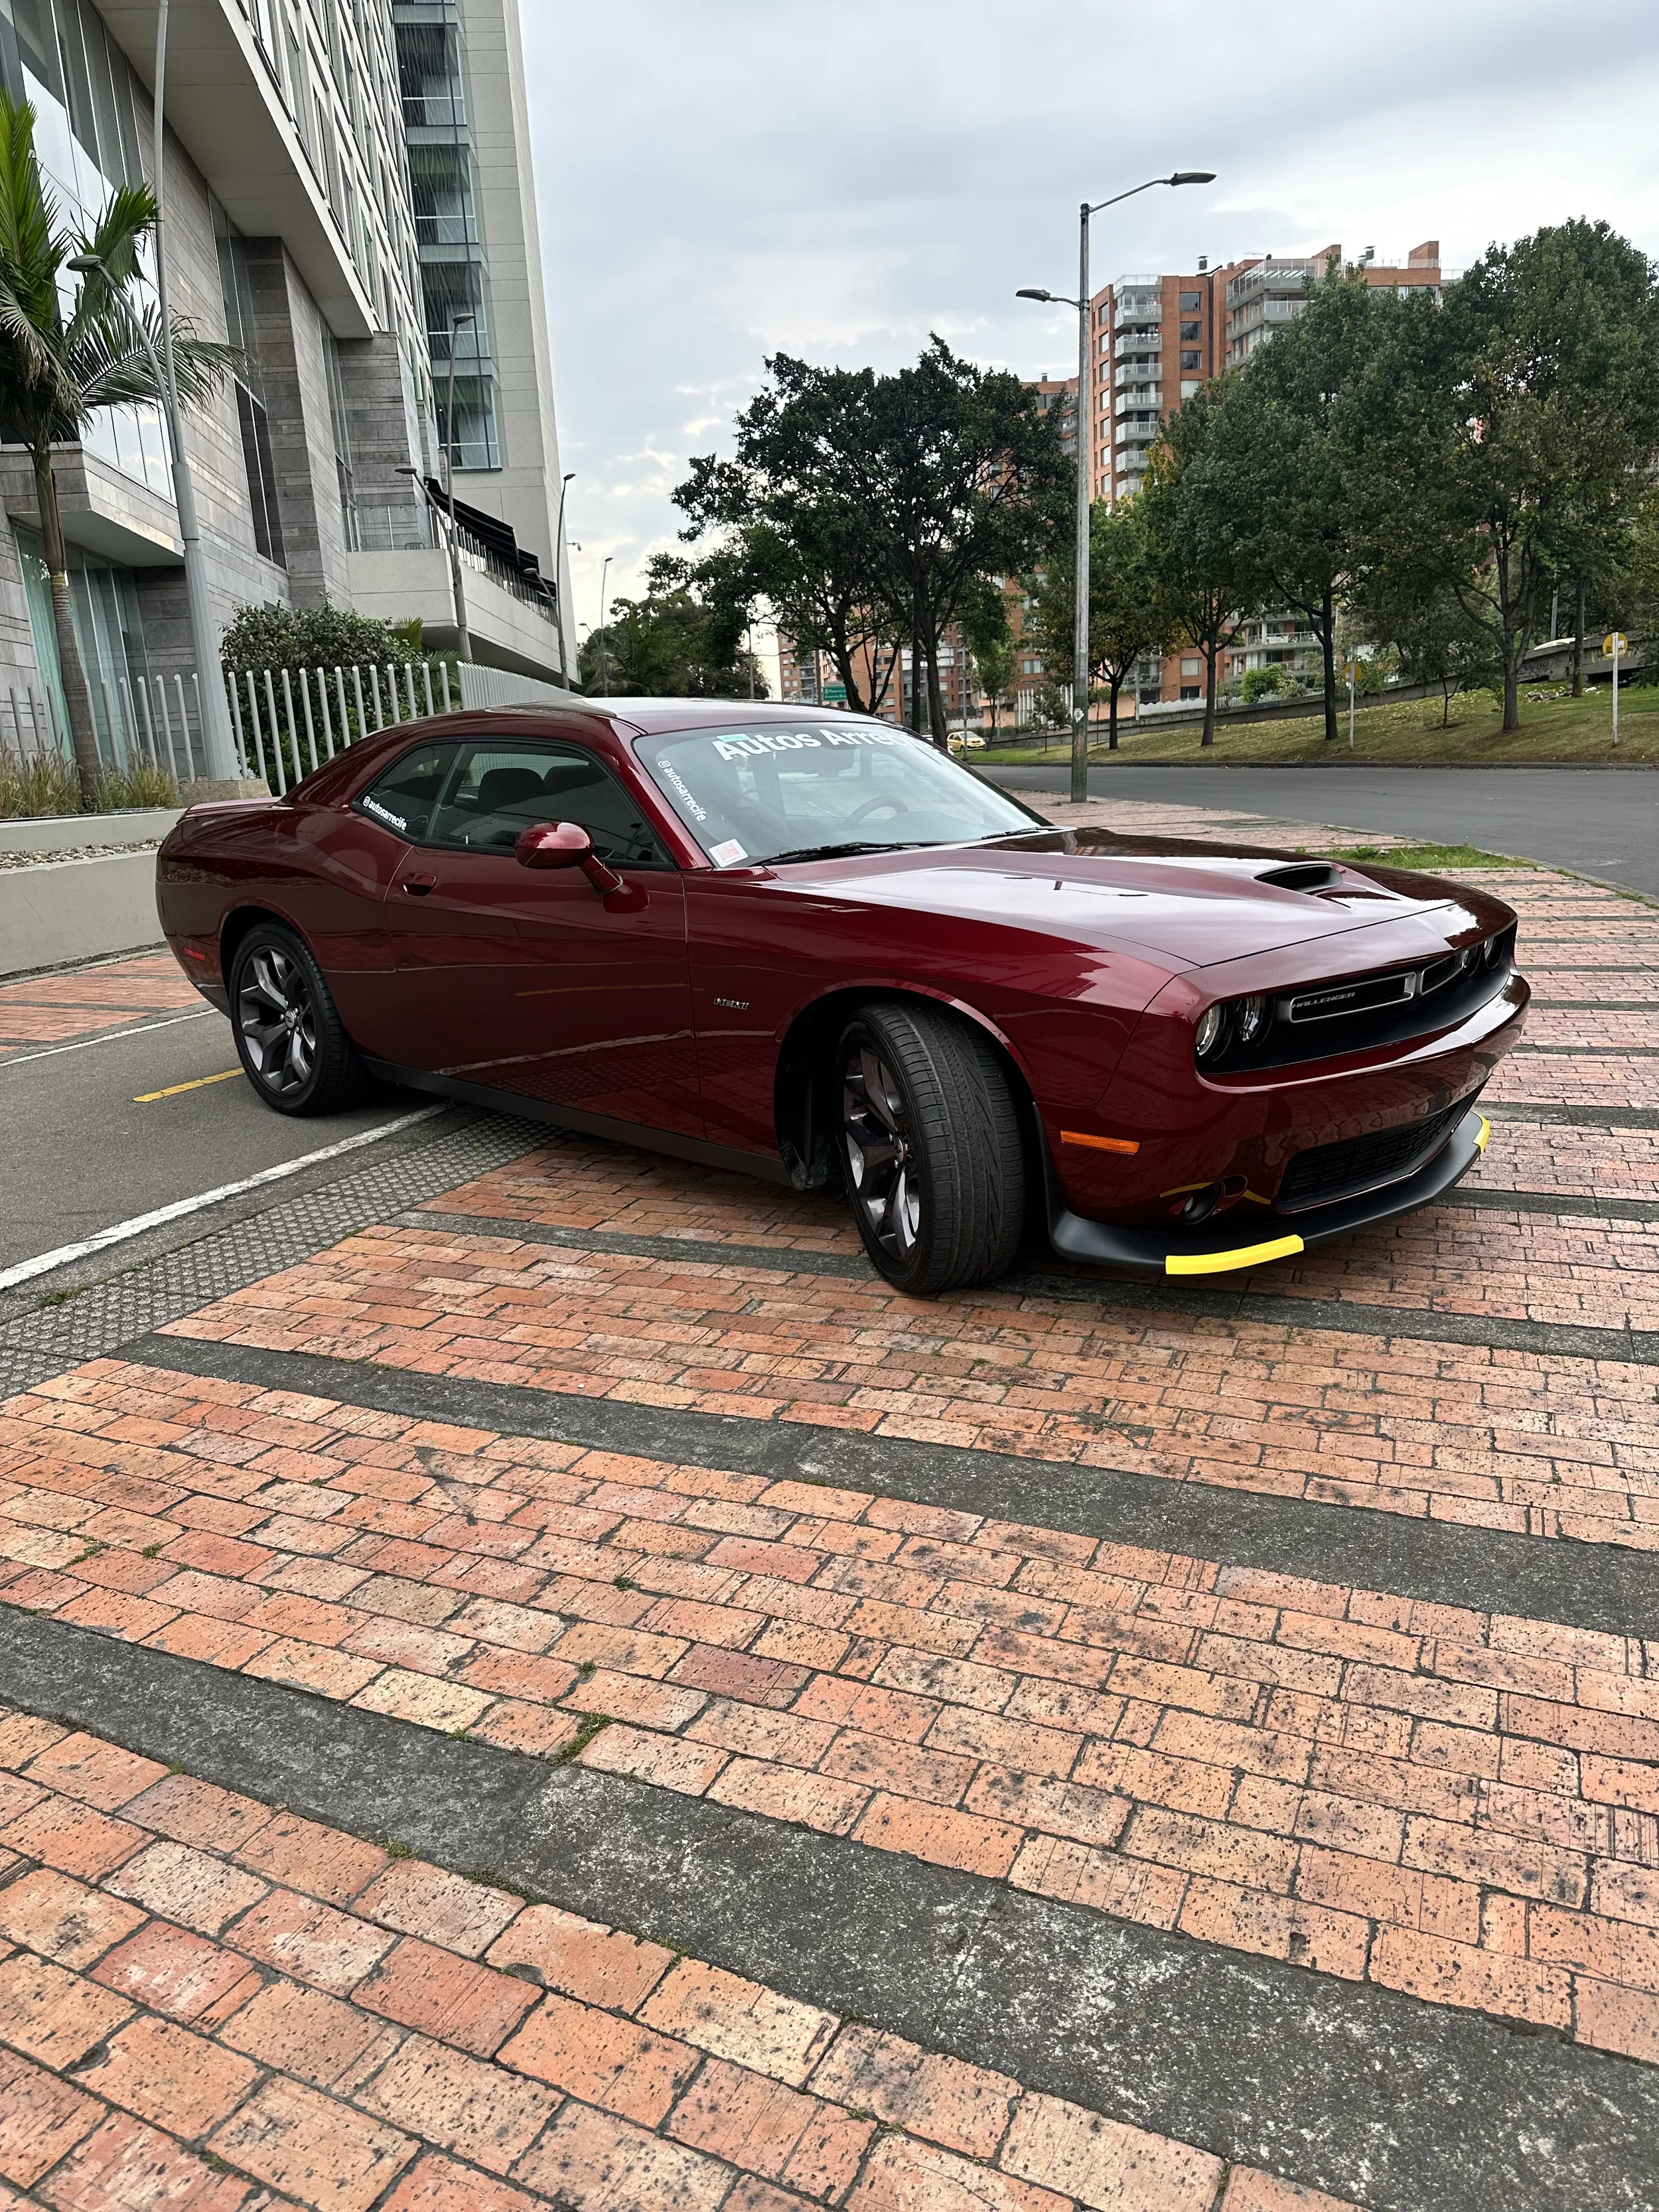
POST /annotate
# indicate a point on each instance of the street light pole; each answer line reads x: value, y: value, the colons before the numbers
x: 221, y: 761
x: 1084, y: 423
x: 463, y: 639
x: 558, y: 574
x: 604, y: 673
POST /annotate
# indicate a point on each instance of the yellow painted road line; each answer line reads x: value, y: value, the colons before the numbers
x: 1221, y: 1263
x: 149, y: 1097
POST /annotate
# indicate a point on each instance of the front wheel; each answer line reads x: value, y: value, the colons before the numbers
x: 289, y: 1035
x: 935, y: 1168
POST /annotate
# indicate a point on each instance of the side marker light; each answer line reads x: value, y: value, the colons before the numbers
x: 1100, y: 1144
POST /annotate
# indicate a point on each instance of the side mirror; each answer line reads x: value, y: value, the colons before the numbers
x: 566, y: 845
x: 552, y: 845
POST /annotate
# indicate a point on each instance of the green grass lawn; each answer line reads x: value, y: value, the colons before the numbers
x: 1432, y: 859
x: 1573, y: 732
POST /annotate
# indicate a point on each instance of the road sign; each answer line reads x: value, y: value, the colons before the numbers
x: 1615, y: 641
x: 835, y: 694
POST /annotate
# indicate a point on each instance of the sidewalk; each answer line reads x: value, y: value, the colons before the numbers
x: 566, y: 1690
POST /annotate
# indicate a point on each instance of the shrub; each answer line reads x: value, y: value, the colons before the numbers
x: 316, y: 637
x: 1262, y: 684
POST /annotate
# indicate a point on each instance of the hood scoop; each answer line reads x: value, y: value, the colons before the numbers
x: 1303, y: 876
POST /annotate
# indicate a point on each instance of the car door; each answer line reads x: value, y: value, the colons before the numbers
x: 531, y: 980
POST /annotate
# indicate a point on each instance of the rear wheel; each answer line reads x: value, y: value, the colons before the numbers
x: 289, y: 1035
x: 930, y: 1138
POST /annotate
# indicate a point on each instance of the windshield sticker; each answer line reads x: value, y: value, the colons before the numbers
x: 794, y: 741
x: 728, y: 854
x: 386, y: 814
x: 697, y: 813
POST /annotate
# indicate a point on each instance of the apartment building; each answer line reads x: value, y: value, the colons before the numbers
x: 296, y: 231
x: 1155, y: 340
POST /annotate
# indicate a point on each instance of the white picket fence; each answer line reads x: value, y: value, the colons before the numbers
x: 289, y: 722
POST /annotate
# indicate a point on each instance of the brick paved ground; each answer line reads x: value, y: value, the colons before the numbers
x: 1439, y: 1811
x: 55, y: 1009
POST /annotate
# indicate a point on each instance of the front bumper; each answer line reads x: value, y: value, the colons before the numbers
x: 1221, y: 1246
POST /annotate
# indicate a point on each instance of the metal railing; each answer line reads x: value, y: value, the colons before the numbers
x: 139, y: 721
x: 289, y: 722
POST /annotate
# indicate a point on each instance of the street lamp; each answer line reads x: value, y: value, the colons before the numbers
x: 463, y: 641
x: 1085, y: 412
x: 604, y: 673
x: 558, y: 574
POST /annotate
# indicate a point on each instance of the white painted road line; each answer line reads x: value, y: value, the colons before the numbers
x: 43, y: 1262
x: 109, y: 1037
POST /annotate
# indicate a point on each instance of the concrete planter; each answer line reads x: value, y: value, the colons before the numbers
x: 68, y: 911
x: 67, y: 833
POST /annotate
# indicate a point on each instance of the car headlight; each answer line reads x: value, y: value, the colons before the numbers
x: 1493, y: 950
x: 1210, y: 1023
x: 1250, y: 1018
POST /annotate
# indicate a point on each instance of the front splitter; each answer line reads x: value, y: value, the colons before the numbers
x: 1217, y: 1248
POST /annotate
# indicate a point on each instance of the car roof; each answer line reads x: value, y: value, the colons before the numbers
x: 654, y: 714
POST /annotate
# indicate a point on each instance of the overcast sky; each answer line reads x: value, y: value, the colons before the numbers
x: 720, y: 179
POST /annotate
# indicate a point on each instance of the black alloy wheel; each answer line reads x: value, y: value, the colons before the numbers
x: 935, y: 1168
x: 289, y: 1034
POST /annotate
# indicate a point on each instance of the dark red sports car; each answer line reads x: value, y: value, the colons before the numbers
x: 808, y: 946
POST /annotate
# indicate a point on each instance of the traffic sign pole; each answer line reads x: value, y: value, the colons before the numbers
x: 1613, y: 645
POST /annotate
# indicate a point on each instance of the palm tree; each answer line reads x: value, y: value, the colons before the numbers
x: 58, y: 366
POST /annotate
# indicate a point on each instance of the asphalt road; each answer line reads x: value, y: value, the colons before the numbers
x: 83, y: 1153
x: 1604, y: 823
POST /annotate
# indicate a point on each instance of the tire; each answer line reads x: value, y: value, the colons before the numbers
x: 931, y: 1152
x: 289, y: 1036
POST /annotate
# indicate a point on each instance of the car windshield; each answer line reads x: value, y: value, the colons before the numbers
x: 801, y: 790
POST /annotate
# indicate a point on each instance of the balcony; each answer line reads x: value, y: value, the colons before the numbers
x: 225, y: 103
x: 1135, y: 372
x: 1266, y: 276
x: 1144, y: 397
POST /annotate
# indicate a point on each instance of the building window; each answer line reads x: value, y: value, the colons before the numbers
x: 1192, y: 668
x: 1191, y: 691
x: 261, y: 476
x: 1190, y: 360
x: 1191, y: 302
x: 236, y: 290
x: 1189, y: 331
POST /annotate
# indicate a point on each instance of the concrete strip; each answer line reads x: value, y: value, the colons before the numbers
x: 1598, y: 1586
x: 66, y: 833
x: 1403, y: 2106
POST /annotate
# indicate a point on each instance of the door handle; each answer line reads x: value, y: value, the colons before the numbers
x: 418, y: 886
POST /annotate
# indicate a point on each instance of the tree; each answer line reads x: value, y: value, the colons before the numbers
x: 1433, y: 637
x: 56, y: 370
x: 791, y: 537
x: 1298, y: 437
x: 1527, y: 415
x: 670, y: 644
x: 898, y: 491
x: 1198, y: 533
x: 988, y: 644
x: 1130, y: 609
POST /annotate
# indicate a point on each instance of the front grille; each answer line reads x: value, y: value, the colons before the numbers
x: 1327, y: 1172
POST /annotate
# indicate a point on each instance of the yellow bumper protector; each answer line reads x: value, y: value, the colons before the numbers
x: 1485, y: 1131
x: 1221, y: 1263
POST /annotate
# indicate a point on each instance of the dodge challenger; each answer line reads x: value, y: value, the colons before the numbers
x: 803, y: 943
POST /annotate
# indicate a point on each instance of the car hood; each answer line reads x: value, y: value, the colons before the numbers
x: 1183, y: 908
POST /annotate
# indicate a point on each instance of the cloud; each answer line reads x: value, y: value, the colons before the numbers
x: 743, y: 177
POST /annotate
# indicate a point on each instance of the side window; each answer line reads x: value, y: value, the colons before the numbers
x: 493, y: 791
x: 403, y: 798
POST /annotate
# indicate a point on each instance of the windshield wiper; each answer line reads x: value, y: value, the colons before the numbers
x: 841, y: 852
